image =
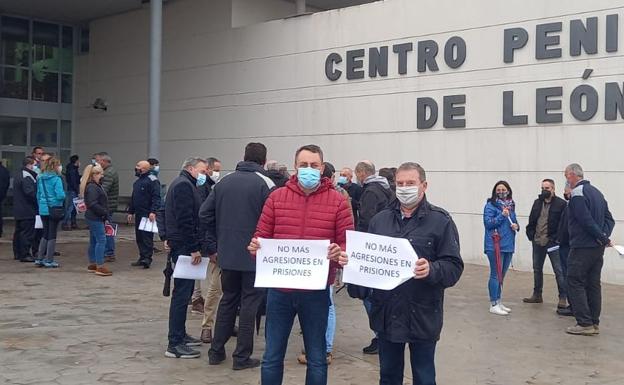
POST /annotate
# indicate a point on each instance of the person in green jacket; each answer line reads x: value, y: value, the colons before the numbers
x: 110, y: 184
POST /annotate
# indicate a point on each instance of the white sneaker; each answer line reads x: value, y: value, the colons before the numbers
x: 496, y: 309
x: 508, y: 310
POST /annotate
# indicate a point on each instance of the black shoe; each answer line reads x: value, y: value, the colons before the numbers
x: 567, y: 312
x: 57, y: 254
x: 247, y: 364
x: 181, y: 351
x: 192, y: 341
x: 215, y: 358
x: 137, y: 263
x: 372, y: 348
x: 146, y: 264
x: 27, y: 259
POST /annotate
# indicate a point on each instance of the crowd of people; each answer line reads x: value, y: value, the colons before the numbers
x: 222, y: 218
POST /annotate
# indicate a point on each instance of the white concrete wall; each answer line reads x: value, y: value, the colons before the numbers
x: 224, y: 87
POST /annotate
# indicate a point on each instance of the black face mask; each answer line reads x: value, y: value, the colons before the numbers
x: 502, y: 195
x: 137, y: 172
x: 545, y: 194
x: 566, y: 197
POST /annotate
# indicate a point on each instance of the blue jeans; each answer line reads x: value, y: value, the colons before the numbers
x: 97, y: 241
x: 70, y: 210
x: 312, y: 308
x: 110, y: 241
x: 331, y: 322
x: 392, y: 362
x: 495, y: 288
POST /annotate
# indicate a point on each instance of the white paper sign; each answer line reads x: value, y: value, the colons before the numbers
x: 38, y: 222
x: 619, y: 249
x: 377, y: 261
x: 184, y: 269
x: 292, y: 264
x: 147, y: 225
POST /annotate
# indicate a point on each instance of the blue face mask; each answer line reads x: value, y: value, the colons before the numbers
x: 309, y: 177
x: 342, y: 180
x: 36, y: 169
x: 155, y: 170
x: 201, y: 179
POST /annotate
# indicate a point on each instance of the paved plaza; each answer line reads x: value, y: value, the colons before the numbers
x: 67, y: 326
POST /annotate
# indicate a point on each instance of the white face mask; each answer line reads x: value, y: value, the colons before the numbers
x: 408, y: 196
x: 215, y: 176
x: 60, y: 169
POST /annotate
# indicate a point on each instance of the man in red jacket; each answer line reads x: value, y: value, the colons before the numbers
x: 308, y: 207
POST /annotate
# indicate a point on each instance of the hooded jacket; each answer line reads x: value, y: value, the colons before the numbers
x: 230, y: 213
x: 376, y: 194
x: 50, y: 192
x: 291, y: 214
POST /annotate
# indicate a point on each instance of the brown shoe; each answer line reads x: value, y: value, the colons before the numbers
x: 330, y: 356
x: 582, y: 330
x: 533, y: 299
x: 197, y: 306
x: 206, y: 336
x: 110, y: 258
x: 103, y: 271
x: 92, y: 268
x: 302, y: 359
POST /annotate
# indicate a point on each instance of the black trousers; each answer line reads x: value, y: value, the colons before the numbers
x: 238, y: 288
x: 144, y: 240
x: 1, y: 219
x: 23, y: 238
x: 584, y: 290
x: 180, y: 297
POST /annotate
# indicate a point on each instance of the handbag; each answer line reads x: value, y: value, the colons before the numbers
x: 55, y: 212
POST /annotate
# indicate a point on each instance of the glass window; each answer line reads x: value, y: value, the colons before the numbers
x: 14, y: 44
x: 67, y: 49
x: 65, y: 155
x: 66, y: 88
x: 66, y: 133
x: 45, y: 47
x: 12, y: 131
x: 84, y: 40
x: 13, y: 83
x: 45, y: 86
x: 43, y: 133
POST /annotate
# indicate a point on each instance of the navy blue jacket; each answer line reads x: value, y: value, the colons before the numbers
x: 72, y: 177
x: 230, y: 214
x: 590, y: 222
x: 145, y: 195
x: 25, y: 194
x: 5, y: 181
x: 412, y: 311
x: 181, y: 212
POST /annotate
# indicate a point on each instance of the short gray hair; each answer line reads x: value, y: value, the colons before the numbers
x: 364, y: 166
x: 575, y: 169
x: 106, y: 157
x: 192, y: 162
x: 272, y: 165
x: 407, y: 166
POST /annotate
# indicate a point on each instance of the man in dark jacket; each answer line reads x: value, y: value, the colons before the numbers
x: 24, y: 210
x: 214, y: 173
x: 412, y: 312
x: 230, y: 215
x: 5, y: 181
x: 590, y: 224
x: 145, y: 203
x: 563, y: 240
x: 275, y: 174
x: 110, y: 184
x: 182, y: 232
x: 376, y: 195
x: 72, y: 179
x: 542, y: 232
x: 345, y: 180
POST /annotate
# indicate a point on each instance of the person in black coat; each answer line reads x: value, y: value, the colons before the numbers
x: 183, y: 238
x: 412, y: 312
x: 229, y: 216
x: 354, y: 190
x: 5, y: 181
x: 144, y: 203
x: 25, y: 210
x: 542, y: 232
x: 274, y: 173
x: 96, y: 215
x: 72, y: 179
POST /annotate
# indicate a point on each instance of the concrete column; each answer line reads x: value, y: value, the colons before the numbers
x: 301, y: 7
x: 153, y: 147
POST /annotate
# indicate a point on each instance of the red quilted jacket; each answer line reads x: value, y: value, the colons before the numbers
x: 289, y: 214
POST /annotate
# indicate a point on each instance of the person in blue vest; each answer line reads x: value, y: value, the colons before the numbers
x: 501, y: 226
x: 145, y: 203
